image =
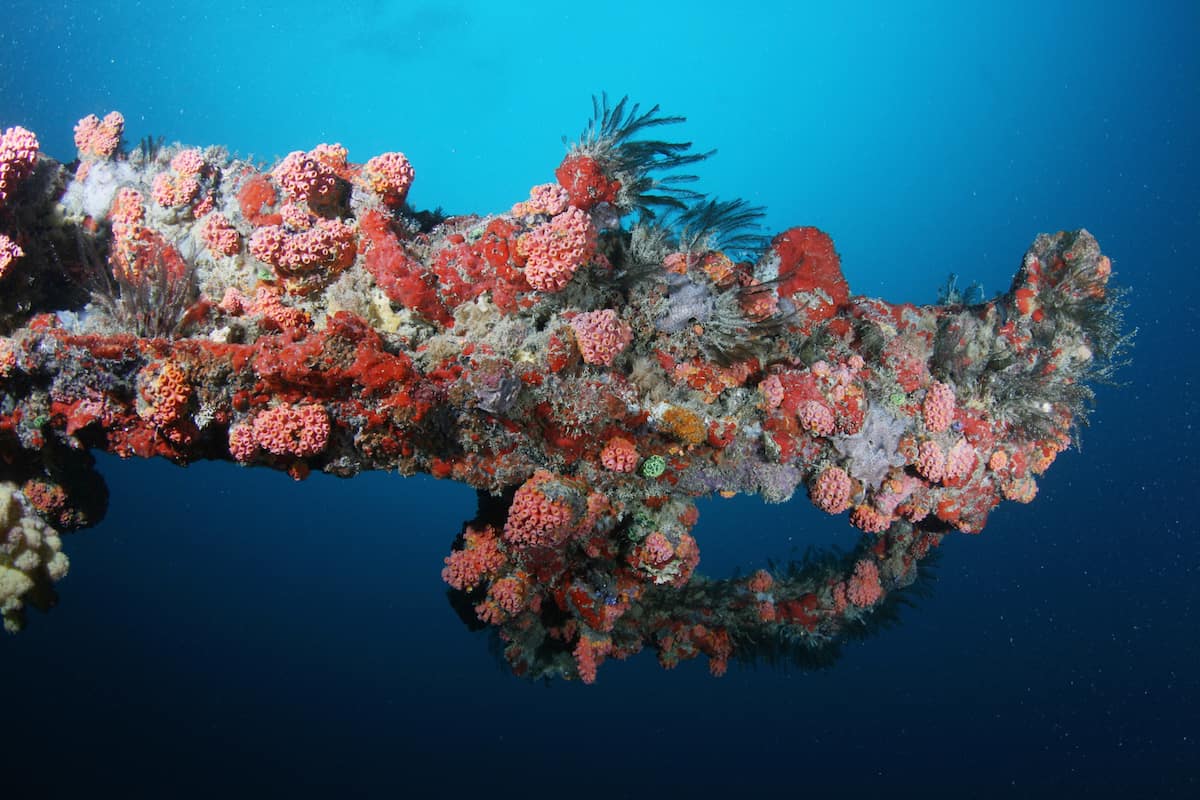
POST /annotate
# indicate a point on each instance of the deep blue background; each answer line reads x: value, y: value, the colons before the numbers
x: 227, y: 630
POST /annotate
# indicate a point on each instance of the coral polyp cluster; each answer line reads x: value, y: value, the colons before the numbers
x: 591, y: 361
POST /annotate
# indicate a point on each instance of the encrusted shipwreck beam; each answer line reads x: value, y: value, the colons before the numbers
x: 591, y: 361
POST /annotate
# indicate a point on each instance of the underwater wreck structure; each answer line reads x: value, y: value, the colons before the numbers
x: 591, y: 360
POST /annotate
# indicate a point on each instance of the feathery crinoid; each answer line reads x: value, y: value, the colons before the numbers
x: 610, y: 139
x: 151, y: 301
x: 728, y: 225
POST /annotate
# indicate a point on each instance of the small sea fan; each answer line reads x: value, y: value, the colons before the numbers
x: 874, y: 450
x: 687, y: 302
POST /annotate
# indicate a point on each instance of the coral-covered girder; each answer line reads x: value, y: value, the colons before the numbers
x: 589, y: 380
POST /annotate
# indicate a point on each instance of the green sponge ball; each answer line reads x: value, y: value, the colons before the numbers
x: 654, y: 466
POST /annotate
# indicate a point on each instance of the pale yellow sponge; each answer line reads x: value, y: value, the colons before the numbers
x: 30, y: 552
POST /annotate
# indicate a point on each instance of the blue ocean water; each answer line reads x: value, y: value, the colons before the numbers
x: 228, y: 630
